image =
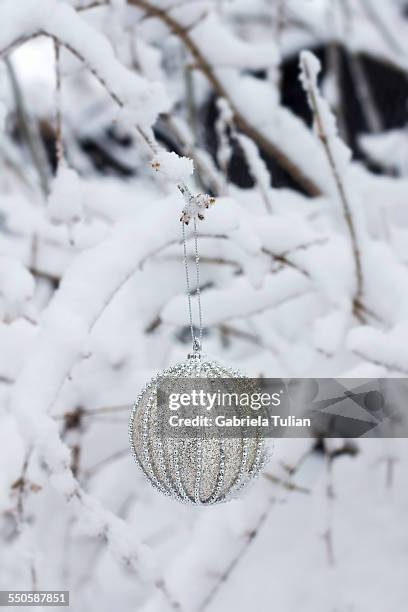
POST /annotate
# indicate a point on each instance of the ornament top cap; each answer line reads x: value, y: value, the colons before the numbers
x: 196, y: 354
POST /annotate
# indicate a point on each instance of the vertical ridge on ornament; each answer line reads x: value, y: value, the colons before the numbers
x: 146, y: 443
x: 162, y: 465
x: 199, y: 467
x: 179, y: 482
x: 220, y: 476
x: 240, y: 475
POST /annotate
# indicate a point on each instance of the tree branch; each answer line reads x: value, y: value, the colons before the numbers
x: 242, y: 123
x: 324, y: 138
x: 63, y: 346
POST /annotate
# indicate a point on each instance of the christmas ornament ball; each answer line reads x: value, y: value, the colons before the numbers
x: 197, y: 471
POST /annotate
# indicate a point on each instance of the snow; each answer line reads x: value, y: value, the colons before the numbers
x: 195, y: 206
x: 15, y: 338
x: 330, y: 329
x: 240, y: 299
x: 149, y: 59
x: 65, y: 202
x: 257, y: 102
x: 224, y: 121
x: 355, y: 28
x: 66, y: 324
x: 142, y: 100
x: 212, y: 37
x: 360, y: 547
x: 16, y: 288
x: 93, y: 301
x: 389, y: 149
x: 257, y: 167
x: 172, y: 165
x: 379, y: 347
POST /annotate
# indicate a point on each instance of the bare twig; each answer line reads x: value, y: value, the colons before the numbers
x: 29, y: 130
x: 328, y: 534
x: 283, y: 259
x: 20, y: 486
x: 92, y: 5
x: 287, y: 484
x: 91, y: 471
x: 390, y: 462
x: 34, y: 578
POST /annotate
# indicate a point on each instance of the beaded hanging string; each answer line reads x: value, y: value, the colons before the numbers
x: 196, y: 341
x: 193, y: 210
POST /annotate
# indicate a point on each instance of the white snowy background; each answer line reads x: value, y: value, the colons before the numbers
x: 307, y: 279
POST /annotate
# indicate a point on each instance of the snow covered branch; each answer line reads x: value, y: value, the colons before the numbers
x: 230, y: 86
x: 142, y: 100
x: 66, y: 325
x: 337, y: 154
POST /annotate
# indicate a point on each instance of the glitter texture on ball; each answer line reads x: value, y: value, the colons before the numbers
x: 196, y: 471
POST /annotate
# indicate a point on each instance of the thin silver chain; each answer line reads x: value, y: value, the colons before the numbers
x: 196, y: 346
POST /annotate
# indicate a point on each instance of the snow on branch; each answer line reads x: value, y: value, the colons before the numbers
x: 241, y: 300
x: 388, y: 350
x: 275, y: 130
x: 338, y: 155
x: 212, y: 36
x: 16, y: 288
x: 65, y: 203
x: 141, y: 100
x: 256, y: 165
x: 65, y: 328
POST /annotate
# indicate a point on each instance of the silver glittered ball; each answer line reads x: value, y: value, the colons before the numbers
x: 197, y: 471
